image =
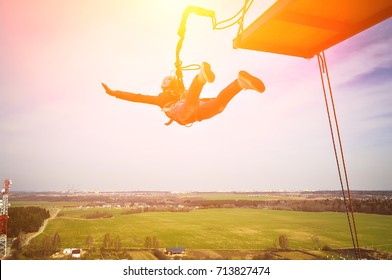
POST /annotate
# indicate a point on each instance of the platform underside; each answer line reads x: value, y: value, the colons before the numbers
x: 305, y: 28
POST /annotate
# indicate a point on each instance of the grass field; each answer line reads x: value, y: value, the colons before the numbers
x: 222, y: 229
x: 238, y: 196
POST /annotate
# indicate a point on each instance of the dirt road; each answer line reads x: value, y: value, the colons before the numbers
x: 53, y: 215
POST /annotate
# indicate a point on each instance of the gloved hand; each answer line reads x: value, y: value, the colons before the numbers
x: 107, y: 89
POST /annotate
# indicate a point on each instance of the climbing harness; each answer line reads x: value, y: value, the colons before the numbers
x: 348, y: 206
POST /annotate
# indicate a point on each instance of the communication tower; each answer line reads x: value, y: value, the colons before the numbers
x: 4, y: 217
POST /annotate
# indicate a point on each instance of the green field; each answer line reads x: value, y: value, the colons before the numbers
x: 237, y: 196
x: 223, y: 229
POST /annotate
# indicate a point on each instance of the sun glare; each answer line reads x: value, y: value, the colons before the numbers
x: 178, y: 6
x: 173, y: 6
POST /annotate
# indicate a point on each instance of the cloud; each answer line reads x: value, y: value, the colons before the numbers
x: 363, y: 57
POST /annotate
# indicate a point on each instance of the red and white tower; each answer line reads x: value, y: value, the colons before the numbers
x: 4, y: 217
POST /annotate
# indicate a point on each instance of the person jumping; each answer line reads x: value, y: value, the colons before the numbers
x: 185, y: 106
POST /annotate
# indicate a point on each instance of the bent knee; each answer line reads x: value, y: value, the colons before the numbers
x: 207, y: 113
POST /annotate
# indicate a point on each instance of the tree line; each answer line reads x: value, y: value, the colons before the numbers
x: 370, y: 206
x: 25, y: 219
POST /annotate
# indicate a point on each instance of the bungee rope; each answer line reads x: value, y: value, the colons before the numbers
x: 215, y: 26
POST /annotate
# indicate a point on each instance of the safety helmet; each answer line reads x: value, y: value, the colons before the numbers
x: 169, y: 81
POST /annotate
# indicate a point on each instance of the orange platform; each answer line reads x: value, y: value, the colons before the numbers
x: 305, y: 28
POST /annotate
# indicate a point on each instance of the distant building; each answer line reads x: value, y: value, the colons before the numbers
x: 175, y: 251
x: 67, y: 251
x: 76, y: 253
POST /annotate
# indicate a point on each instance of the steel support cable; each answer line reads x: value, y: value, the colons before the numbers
x: 342, y: 154
x: 323, y: 69
x: 240, y: 20
x: 229, y: 19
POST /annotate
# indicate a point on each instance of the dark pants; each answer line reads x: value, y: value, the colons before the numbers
x: 192, y: 108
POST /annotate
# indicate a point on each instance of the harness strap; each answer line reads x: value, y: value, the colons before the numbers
x: 169, y: 122
x: 168, y: 112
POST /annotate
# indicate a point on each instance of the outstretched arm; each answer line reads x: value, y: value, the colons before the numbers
x: 133, y: 97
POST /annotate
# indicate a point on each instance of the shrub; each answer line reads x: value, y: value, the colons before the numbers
x: 99, y: 215
x: 283, y: 241
x: 326, y: 248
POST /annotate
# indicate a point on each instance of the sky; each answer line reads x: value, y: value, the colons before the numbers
x: 59, y: 130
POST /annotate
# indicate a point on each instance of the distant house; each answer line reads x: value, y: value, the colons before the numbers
x: 67, y: 251
x: 76, y: 253
x: 175, y: 251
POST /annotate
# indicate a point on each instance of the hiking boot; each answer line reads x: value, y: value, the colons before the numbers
x: 247, y: 81
x: 206, y: 74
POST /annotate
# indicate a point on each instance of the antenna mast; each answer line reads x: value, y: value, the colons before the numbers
x: 4, y: 217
